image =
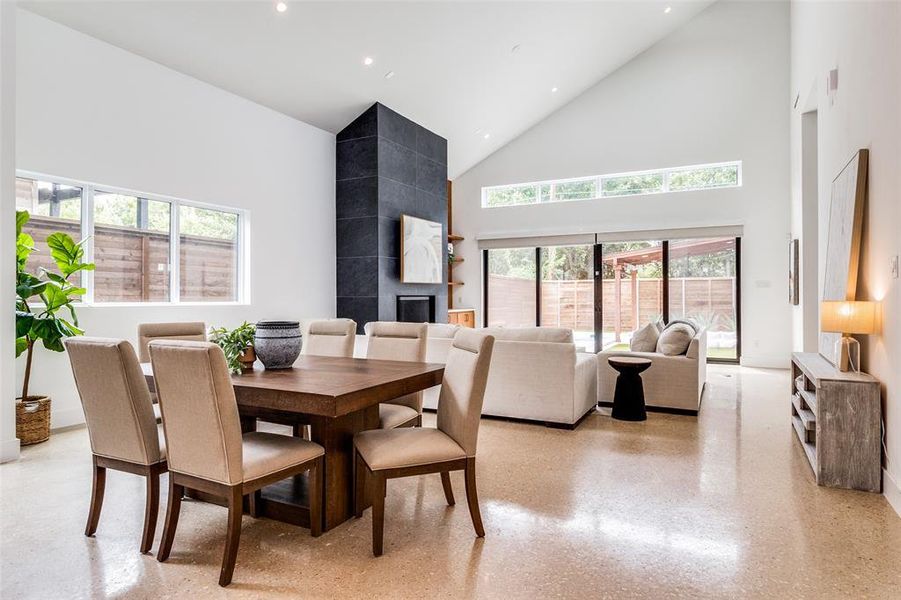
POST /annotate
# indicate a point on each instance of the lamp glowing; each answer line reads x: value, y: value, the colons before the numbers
x: 848, y: 317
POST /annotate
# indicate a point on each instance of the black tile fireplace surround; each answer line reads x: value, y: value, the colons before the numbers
x: 386, y: 166
x: 415, y: 309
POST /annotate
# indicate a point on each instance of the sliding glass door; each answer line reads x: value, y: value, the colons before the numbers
x: 604, y: 292
x: 703, y: 288
x: 567, y: 292
x: 631, y: 290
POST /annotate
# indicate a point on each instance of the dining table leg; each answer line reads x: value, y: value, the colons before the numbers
x: 336, y: 434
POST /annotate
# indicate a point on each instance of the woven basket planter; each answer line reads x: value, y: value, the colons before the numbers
x: 33, y: 420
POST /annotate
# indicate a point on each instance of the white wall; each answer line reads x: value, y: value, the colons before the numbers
x: 715, y: 90
x: 90, y: 111
x: 863, y: 41
x: 9, y: 445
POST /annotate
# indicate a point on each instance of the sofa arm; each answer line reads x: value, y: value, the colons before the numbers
x: 585, y: 392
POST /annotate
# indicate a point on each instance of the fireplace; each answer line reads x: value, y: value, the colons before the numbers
x: 416, y: 309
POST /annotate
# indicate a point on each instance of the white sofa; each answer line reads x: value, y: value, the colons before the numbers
x: 536, y: 374
x: 672, y: 384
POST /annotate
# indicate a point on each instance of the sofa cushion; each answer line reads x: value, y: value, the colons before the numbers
x: 691, y: 324
x: 645, y: 339
x: 675, y: 339
x: 557, y: 335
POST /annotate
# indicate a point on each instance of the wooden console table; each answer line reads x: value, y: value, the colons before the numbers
x: 837, y: 418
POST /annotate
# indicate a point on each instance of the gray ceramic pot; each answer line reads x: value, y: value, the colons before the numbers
x: 277, y: 343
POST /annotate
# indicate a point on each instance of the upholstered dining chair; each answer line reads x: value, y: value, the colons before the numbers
x: 147, y: 332
x: 382, y: 454
x: 398, y: 341
x: 205, y: 447
x: 121, y: 426
x: 330, y: 337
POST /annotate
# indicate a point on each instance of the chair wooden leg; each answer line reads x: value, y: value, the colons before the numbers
x: 99, y: 486
x: 253, y: 502
x: 360, y: 469
x: 173, y: 507
x: 151, y: 509
x: 232, y: 535
x: 378, y: 512
x: 472, y: 497
x: 315, y: 477
x: 448, y: 490
x: 418, y: 422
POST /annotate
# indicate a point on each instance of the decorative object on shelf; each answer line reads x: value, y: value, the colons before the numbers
x: 237, y: 345
x: 420, y: 250
x: 46, y: 323
x: 451, y: 255
x: 794, y: 292
x: 277, y: 343
x: 846, y: 318
x: 849, y: 191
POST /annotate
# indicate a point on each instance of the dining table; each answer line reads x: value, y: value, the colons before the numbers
x: 338, y: 398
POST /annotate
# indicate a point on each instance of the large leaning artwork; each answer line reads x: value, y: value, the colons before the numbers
x: 849, y: 190
x: 422, y: 251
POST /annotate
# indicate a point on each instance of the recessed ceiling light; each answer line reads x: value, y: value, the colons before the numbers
x: 368, y: 61
x: 486, y: 136
x: 281, y: 7
x: 668, y: 10
x: 389, y: 74
x: 554, y: 89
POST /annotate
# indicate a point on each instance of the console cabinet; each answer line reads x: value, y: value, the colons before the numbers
x: 837, y: 419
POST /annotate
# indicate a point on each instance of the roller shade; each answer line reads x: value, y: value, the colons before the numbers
x: 493, y: 241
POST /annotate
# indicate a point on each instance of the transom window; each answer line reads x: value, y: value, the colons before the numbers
x: 681, y: 179
x: 146, y: 248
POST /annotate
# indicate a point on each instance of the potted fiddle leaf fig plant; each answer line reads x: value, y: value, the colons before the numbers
x: 237, y: 345
x: 44, y: 313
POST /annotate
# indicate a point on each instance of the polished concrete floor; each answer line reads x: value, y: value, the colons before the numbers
x: 721, y: 506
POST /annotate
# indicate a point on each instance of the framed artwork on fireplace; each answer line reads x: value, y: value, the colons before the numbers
x: 421, y: 251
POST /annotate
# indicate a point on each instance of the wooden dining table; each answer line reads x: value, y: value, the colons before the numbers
x: 337, y: 398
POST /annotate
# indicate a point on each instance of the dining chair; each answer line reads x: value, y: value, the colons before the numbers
x: 147, y: 332
x: 398, y: 341
x: 121, y: 426
x: 330, y: 337
x: 206, y: 449
x: 382, y: 454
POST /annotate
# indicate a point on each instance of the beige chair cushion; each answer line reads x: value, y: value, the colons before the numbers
x: 463, y: 387
x: 558, y: 335
x: 115, y: 398
x: 267, y: 453
x: 399, y: 341
x: 194, y: 331
x: 675, y: 339
x: 200, y: 415
x: 395, y: 415
x: 406, y: 447
x: 442, y: 330
x: 645, y: 339
x: 331, y: 337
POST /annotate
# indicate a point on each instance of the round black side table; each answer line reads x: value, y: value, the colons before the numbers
x: 628, y: 399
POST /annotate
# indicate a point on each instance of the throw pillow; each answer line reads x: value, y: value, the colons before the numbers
x: 684, y: 321
x: 675, y: 339
x: 645, y: 339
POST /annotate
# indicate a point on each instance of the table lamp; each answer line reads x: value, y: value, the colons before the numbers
x: 848, y: 317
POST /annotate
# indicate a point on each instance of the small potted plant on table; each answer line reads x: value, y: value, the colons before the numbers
x: 237, y: 345
x: 40, y: 302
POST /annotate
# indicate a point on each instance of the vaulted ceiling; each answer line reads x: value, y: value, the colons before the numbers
x: 477, y: 73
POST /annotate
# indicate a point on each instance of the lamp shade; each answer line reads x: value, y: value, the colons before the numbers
x: 848, y: 316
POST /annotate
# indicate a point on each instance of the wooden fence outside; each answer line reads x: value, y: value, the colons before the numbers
x: 133, y: 264
x: 570, y: 303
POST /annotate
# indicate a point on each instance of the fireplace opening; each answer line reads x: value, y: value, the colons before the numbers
x: 416, y: 309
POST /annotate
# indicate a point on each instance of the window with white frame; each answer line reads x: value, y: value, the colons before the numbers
x: 680, y: 179
x: 146, y: 248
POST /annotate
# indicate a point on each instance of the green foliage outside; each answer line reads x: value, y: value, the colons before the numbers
x: 54, y: 290
x: 633, y: 184
x: 712, y: 177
